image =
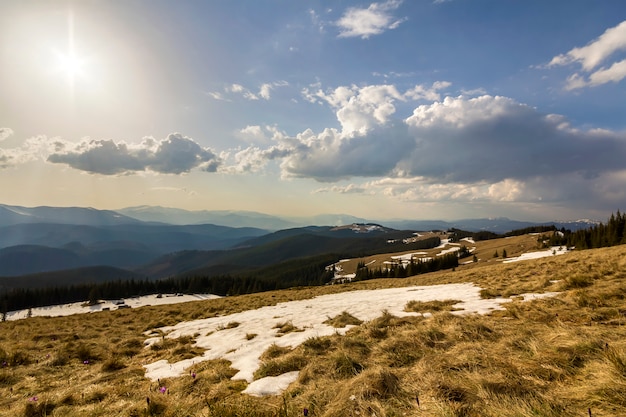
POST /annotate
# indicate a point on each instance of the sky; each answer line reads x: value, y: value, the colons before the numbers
x: 420, y: 109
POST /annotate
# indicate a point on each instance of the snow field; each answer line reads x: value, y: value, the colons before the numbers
x: 223, y: 341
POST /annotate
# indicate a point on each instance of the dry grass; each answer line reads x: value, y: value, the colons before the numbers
x: 342, y: 320
x: 552, y: 357
x: 431, y: 306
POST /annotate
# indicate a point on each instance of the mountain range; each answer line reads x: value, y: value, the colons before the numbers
x: 156, y: 242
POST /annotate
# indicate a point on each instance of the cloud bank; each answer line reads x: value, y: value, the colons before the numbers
x: 175, y: 154
x: 456, y: 140
x: 458, y: 148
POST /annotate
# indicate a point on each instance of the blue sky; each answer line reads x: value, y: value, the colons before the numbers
x: 392, y: 109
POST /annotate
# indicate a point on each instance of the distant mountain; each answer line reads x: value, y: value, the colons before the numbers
x: 33, y: 259
x: 495, y: 225
x: 329, y: 220
x: 233, y: 218
x: 40, y: 239
x: 159, y: 238
x: 29, y: 259
x: 11, y: 215
x: 228, y: 218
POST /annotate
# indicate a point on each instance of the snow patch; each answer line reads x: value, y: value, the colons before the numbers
x: 553, y: 251
x: 84, y: 307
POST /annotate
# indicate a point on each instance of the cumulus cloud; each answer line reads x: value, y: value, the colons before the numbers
x: 421, y: 92
x: 260, y: 134
x: 254, y: 159
x: 594, y: 54
x: 333, y: 155
x: 361, y: 108
x: 487, y: 146
x: 176, y: 154
x: 494, y: 138
x: 373, y: 20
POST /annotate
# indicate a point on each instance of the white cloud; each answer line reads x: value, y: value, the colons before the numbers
x: 260, y: 134
x: 614, y: 73
x: 359, y: 109
x: 29, y: 150
x: 253, y: 134
x: 591, y: 55
x: 216, y: 95
x: 420, y: 92
x: 241, y: 90
x: 575, y: 81
x: 373, y: 20
x: 594, y: 54
x: 348, y: 189
x: 177, y: 154
x: 264, y: 92
x: 5, y: 132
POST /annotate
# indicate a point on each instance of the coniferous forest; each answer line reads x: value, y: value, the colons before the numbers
x: 599, y: 236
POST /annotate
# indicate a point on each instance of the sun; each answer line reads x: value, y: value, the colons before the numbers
x: 71, y: 65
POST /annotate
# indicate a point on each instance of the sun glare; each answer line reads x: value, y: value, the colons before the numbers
x: 70, y: 65
x: 68, y: 62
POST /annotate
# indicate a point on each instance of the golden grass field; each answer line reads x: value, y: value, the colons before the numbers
x: 560, y: 356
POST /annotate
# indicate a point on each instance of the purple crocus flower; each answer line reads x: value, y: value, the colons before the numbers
x: 33, y: 399
x: 305, y: 412
x: 163, y: 390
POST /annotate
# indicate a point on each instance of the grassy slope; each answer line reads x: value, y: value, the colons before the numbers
x: 551, y: 357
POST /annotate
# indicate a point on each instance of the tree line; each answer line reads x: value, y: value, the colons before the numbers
x: 299, y: 272
x: 413, y: 267
x: 599, y: 236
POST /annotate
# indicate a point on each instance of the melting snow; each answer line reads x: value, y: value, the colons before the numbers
x: 235, y: 345
x: 555, y: 250
x: 80, y: 308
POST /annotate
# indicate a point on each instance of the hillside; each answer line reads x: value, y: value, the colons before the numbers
x: 562, y: 355
x: 278, y: 247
